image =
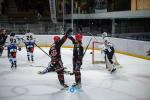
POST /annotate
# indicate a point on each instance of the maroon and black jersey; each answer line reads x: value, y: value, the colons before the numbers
x: 77, y: 50
x: 77, y: 59
x: 2, y: 39
x: 54, y: 51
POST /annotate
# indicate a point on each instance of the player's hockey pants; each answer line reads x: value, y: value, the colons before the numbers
x: 77, y: 73
x: 60, y: 71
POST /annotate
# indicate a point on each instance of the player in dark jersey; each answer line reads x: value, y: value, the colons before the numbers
x: 3, y: 37
x: 56, y: 63
x: 77, y: 57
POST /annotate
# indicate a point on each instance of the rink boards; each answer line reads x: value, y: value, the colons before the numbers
x: 124, y: 46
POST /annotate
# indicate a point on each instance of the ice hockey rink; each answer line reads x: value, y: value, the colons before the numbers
x: 130, y: 82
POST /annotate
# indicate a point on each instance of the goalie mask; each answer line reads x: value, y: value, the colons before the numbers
x: 104, y: 34
x: 56, y: 38
x: 78, y: 37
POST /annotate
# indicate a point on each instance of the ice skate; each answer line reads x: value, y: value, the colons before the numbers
x: 12, y: 65
x: 77, y: 85
x: 65, y: 86
x: 72, y: 73
x: 42, y: 72
x: 113, y: 70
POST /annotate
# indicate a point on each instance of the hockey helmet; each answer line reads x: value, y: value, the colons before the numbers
x: 56, y: 38
x: 78, y: 37
x: 104, y: 34
x: 12, y: 34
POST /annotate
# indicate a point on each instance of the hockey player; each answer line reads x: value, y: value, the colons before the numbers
x: 77, y: 58
x: 3, y: 37
x: 29, y: 41
x: 109, y: 50
x: 56, y: 62
x: 12, y: 49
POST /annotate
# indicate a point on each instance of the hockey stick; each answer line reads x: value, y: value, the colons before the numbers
x: 93, y: 36
x: 87, y: 47
x: 42, y: 50
x: 68, y: 31
x: 38, y: 47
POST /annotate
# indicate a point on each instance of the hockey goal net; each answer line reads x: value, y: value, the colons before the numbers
x: 98, y: 56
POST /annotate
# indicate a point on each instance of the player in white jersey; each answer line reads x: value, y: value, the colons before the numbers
x: 12, y: 46
x: 29, y: 41
x: 109, y: 50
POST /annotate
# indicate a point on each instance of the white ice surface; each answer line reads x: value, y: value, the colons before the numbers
x: 131, y: 82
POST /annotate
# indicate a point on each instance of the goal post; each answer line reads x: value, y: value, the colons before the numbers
x: 98, y: 56
x: 96, y: 51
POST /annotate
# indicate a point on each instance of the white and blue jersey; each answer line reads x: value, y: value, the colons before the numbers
x: 29, y: 41
x: 29, y: 44
x: 12, y: 48
x: 29, y: 37
x: 12, y: 45
x: 14, y: 41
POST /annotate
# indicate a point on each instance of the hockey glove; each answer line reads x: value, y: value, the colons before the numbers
x: 19, y: 49
x: 68, y: 32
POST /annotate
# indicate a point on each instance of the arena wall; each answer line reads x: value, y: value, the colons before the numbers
x: 123, y: 46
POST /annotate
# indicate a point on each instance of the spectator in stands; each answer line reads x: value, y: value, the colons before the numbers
x: 4, y: 8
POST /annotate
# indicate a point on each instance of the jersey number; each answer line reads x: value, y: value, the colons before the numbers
x: 53, y: 52
x: 13, y: 40
x: 29, y: 37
